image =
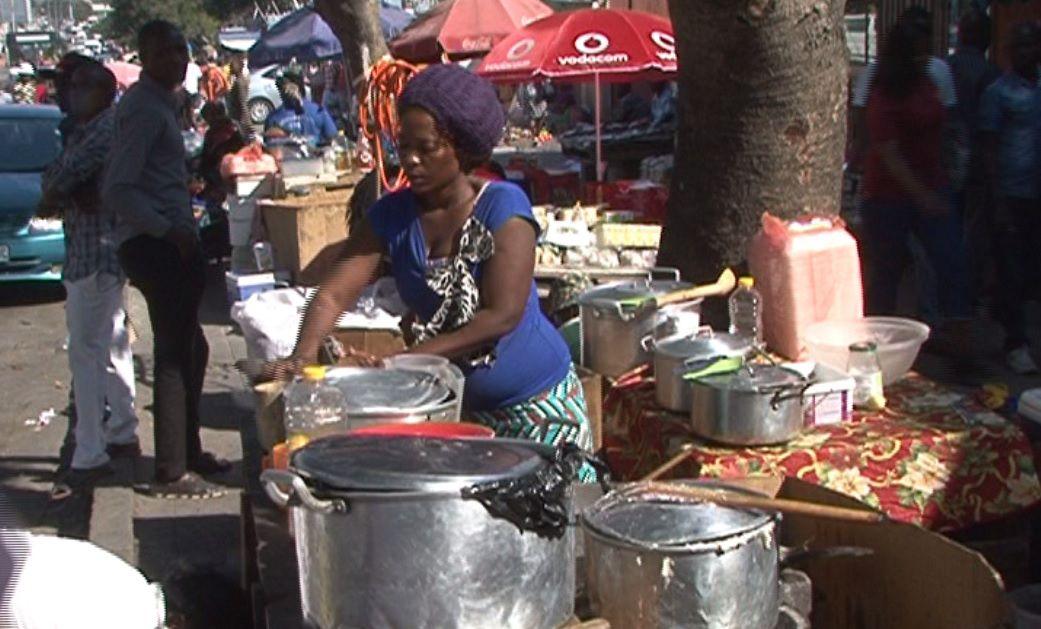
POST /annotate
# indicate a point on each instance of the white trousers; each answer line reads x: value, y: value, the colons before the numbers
x: 102, y: 367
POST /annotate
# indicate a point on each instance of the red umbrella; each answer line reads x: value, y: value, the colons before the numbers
x: 613, y: 45
x: 464, y: 28
x: 126, y: 73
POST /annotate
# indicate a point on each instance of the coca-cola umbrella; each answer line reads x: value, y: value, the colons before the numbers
x: 461, y: 29
x: 598, y: 45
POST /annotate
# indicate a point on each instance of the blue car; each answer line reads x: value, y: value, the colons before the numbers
x: 31, y: 249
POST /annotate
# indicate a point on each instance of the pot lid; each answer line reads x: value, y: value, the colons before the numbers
x: 755, y: 379
x: 703, y: 347
x: 373, y: 463
x: 607, y: 295
x: 643, y: 519
x: 367, y: 389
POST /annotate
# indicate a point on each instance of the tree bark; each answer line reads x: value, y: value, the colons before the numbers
x: 357, y: 26
x: 761, y: 110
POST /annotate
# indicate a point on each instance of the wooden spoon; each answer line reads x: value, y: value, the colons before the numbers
x: 723, y: 285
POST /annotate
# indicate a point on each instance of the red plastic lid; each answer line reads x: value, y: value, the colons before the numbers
x: 444, y: 430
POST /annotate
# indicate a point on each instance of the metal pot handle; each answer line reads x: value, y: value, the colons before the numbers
x: 782, y: 395
x: 668, y: 271
x: 648, y: 343
x: 298, y: 493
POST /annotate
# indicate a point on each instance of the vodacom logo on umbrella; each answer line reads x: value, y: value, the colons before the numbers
x: 666, y: 44
x: 592, y: 50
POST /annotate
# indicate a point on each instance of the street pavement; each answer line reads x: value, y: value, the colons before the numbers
x: 162, y: 537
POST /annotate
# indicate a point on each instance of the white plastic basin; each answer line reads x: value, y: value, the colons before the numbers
x: 898, y: 342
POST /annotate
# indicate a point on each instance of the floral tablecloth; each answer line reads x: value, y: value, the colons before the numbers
x: 933, y: 457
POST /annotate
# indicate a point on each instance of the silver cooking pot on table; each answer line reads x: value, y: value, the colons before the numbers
x: 386, y: 538
x: 654, y: 562
x: 676, y: 357
x: 756, y: 405
x: 396, y: 395
x: 614, y: 335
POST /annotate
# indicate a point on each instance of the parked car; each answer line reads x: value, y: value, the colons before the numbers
x: 30, y: 248
x: 263, y: 95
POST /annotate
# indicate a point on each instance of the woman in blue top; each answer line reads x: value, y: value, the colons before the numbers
x: 462, y: 252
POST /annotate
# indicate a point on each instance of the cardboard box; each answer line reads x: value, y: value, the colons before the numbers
x: 914, y: 578
x: 593, y: 387
x: 377, y: 342
x: 299, y: 228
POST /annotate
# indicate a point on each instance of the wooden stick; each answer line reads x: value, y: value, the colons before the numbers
x: 727, y: 498
x: 662, y: 469
x: 726, y: 283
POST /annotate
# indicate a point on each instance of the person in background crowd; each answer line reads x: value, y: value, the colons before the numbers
x: 564, y: 112
x: 99, y: 346
x: 24, y: 92
x: 973, y: 73
x: 65, y: 69
x: 462, y: 252
x: 316, y: 81
x: 147, y: 186
x: 299, y: 117
x: 663, y: 107
x: 635, y: 106
x: 1010, y: 113
x: 212, y: 83
x: 222, y: 137
x: 936, y: 69
x: 238, y: 96
x: 905, y: 186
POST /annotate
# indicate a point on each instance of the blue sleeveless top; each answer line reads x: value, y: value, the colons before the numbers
x: 530, y: 359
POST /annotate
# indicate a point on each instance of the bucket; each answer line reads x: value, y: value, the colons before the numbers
x: 1026, y: 607
x: 437, y: 430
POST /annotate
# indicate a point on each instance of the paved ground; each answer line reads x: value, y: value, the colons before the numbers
x: 161, y: 537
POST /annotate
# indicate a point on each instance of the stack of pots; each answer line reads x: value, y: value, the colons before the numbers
x: 388, y: 534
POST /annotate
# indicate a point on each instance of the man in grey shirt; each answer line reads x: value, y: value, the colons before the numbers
x: 147, y: 185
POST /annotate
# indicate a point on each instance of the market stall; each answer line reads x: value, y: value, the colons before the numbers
x: 933, y: 457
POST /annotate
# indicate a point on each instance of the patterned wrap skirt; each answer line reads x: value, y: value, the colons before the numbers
x: 555, y: 416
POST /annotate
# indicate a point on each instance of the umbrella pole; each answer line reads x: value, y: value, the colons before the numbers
x: 596, y: 123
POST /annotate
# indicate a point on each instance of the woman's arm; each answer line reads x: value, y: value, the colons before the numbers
x: 897, y: 166
x: 339, y: 291
x: 505, y: 286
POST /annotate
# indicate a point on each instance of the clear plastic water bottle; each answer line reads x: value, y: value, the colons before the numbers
x: 314, y: 408
x: 746, y: 311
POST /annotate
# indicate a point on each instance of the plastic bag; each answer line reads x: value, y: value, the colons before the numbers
x: 250, y: 161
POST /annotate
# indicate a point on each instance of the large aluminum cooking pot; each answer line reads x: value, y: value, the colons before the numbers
x: 756, y: 405
x: 655, y: 562
x: 386, y: 538
x: 614, y: 334
x: 384, y: 395
x: 676, y: 356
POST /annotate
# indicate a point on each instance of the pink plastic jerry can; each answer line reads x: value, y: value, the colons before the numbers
x: 807, y: 270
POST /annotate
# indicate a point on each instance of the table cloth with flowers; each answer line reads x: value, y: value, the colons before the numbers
x: 933, y: 457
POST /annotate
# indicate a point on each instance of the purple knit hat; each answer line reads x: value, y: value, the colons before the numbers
x: 462, y: 104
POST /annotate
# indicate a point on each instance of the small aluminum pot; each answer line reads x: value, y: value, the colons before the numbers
x: 676, y: 356
x: 613, y: 333
x: 759, y: 405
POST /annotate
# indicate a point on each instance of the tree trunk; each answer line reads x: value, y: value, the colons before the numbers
x: 357, y: 25
x: 762, y: 101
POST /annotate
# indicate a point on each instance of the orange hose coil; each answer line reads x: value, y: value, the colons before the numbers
x: 378, y: 111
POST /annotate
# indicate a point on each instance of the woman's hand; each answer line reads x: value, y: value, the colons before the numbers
x: 283, y: 369
x: 361, y: 359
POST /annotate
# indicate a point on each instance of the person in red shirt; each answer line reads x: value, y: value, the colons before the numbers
x: 905, y: 186
x: 213, y: 85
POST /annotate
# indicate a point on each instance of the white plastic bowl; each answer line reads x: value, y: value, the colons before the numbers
x: 898, y: 342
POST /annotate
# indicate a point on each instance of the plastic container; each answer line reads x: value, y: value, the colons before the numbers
x: 806, y: 272
x: 1026, y: 607
x: 898, y: 341
x: 439, y: 430
x: 313, y: 407
x: 746, y: 311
